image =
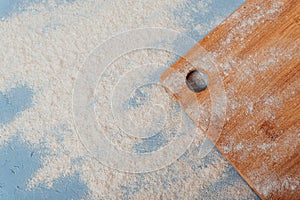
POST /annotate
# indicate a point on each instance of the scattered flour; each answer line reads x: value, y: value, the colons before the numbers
x: 46, y: 49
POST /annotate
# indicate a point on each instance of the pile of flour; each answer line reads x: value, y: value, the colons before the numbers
x: 45, y: 47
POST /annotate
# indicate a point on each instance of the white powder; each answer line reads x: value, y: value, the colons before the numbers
x: 46, y: 49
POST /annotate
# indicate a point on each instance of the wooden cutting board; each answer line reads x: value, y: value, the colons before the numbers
x: 252, y: 60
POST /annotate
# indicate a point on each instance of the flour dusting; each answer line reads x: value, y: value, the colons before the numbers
x: 46, y: 48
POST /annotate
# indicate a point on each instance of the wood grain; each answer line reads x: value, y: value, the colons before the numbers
x: 256, y: 52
